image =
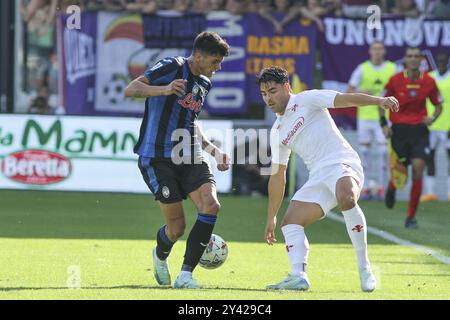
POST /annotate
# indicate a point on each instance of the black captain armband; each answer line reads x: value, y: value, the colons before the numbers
x: 383, y: 122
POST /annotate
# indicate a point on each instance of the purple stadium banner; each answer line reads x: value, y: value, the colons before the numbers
x: 228, y: 93
x: 345, y: 44
x: 111, y: 49
x: 77, y: 56
x: 294, y: 50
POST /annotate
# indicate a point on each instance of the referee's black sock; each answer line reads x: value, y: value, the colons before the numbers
x: 163, y: 244
x: 198, y: 240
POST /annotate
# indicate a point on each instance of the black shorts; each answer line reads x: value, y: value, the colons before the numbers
x: 171, y: 182
x: 410, y: 141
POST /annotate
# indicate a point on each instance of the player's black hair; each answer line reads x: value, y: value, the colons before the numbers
x: 211, y: 43
x: 274, y: 73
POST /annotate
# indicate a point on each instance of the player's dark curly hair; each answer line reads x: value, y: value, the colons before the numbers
x: 274, y: 73
x: 211, y: 43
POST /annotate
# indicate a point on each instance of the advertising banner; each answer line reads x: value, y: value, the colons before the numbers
x: 293, y: 50
x: 79, y: 153
x: 111, y: 49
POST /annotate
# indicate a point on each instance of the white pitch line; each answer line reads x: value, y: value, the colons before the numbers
x: 395, y: 239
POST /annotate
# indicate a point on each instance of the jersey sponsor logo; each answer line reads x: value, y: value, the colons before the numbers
x: 36, y: 167
x: 299, y: 123
x: 189, y: 103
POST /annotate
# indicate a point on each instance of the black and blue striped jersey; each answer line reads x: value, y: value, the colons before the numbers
x: 165, y: 114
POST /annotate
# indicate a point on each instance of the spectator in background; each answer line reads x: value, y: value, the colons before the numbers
x: 48, y: 74
x: 260, y: 5
x: 40, y: 105
x: 290, y: 10
x: 407, y: 8
x: 201, y: 6
x: 141, y: 6
x: 440, y: 9
x: 237, y: 6
x: 333, y: 7
x: 440, y: 130
x: 217, y: 5
x: 165, y: 4
x: 316, y: 8
x: 28, y: 9
x: 370, y: 77
x: 356, y: 8
x: 181, y: 5
x: 39, y: 16
x: 94, y: 5
x: 113, y: 5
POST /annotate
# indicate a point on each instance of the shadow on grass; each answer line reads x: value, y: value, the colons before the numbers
x: 127, y: 287
x: 407, y: 262
x: 75, y: 215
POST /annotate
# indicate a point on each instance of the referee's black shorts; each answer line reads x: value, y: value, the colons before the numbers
x: 410, y: 141
x: 171, y: 182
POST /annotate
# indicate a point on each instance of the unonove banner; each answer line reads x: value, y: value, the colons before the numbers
x: 111, y: 49
x: 83, y: 153
x: 345, y: 42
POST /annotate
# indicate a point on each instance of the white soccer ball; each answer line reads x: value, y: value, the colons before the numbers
x: 215, y: 254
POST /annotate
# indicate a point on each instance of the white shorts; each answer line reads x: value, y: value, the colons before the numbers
x: 321, y: 185
x: 369, y: 131
x: 439, y: 138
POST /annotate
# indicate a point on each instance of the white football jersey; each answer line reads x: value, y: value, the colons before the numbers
x: 306, y: 127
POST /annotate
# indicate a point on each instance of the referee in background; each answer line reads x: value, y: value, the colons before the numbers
x: 409, y: 127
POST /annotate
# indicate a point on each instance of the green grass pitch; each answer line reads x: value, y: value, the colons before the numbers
x: 109, y: 237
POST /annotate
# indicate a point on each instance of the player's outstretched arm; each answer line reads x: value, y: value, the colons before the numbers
x: 277, y: 183
x: 141, y: 88
x: 344, y: 100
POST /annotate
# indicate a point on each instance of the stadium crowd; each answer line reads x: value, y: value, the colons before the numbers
x: 39, y: 17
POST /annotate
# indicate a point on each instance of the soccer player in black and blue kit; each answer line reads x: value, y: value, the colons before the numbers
x: 170, y: 150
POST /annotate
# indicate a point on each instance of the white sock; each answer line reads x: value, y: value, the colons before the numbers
x: 430, y: 184
x: 297, y: 247
x: 357, y: 230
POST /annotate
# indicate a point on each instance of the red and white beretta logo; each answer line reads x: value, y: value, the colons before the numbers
x: 39, y: 167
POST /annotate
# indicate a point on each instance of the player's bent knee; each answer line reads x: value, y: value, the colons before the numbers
x: 211, y: 207
x: 347, y: 201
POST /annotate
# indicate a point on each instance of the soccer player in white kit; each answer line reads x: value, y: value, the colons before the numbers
x: 336, y: 177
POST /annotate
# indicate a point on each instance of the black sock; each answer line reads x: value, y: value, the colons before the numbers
x: 163, y: 244
x: 200, y: 233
